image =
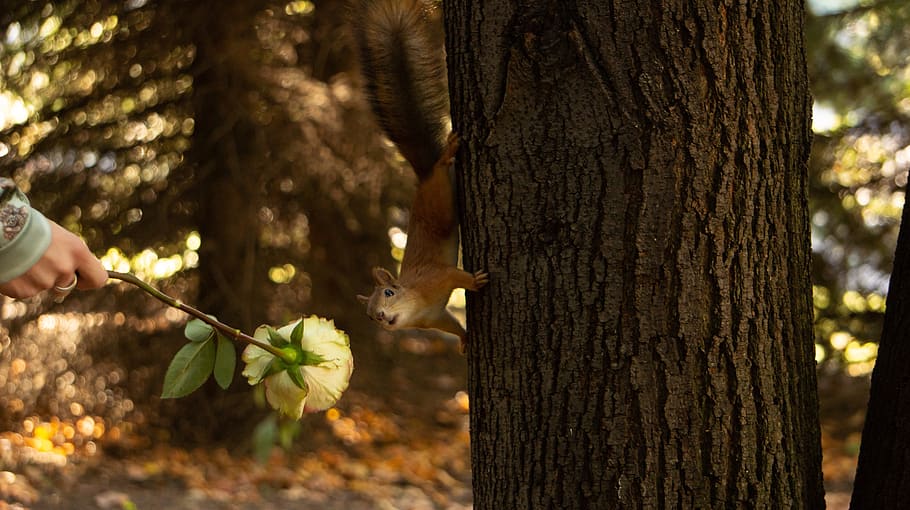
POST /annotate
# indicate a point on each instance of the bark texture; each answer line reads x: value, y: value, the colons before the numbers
x: 883, y: 473
x: 634, y: 179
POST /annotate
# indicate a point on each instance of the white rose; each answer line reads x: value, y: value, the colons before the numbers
x: 325, y: 368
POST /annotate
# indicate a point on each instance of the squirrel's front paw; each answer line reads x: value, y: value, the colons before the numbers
x: 481, y: 278
x: 448, y: 153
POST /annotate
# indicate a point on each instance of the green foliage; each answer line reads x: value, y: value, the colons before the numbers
x: 225, y: 361
x: 198, y: 331
x: 190, y: 367
x: 265, y: 435
x: 271, y: 432
x: 207, y: 352
x: 860, y: 75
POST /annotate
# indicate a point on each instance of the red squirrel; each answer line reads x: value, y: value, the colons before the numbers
x: 402, y: 63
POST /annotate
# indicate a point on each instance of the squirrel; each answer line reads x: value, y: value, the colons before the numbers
x: 402, y: 63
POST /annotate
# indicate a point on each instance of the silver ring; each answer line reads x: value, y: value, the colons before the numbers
x: 68, y: 287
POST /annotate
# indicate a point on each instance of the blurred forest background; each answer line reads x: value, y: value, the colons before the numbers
x: 223, y: 151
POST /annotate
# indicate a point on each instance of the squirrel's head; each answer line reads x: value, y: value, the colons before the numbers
x: 388, y: 304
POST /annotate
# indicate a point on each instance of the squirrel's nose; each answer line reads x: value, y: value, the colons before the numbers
x: 380, y: 315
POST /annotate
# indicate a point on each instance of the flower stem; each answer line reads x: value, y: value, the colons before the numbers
x: 211, y: 321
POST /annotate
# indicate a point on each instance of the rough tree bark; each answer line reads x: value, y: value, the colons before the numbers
x: 634, y: 180
x: 883, y: 472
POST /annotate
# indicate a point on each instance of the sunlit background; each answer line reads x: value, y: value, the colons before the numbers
x: 233, y: 163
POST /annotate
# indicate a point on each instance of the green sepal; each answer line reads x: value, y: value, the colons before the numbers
x: 190, y: 367
x: 225, y: 362
x: 275, y: 338
x: 274, y: 367
x: 297, y: 377
x: 297, y: 333
x: 198, y: 331
x: 309, y: 358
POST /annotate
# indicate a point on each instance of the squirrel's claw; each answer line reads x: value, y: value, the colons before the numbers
x: 481, y: 278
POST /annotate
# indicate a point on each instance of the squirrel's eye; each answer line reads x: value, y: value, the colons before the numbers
x: 388, y: 292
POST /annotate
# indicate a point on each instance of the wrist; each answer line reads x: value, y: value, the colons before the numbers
x: 25, y: 237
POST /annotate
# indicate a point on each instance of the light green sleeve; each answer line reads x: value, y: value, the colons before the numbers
x: 25, y: 233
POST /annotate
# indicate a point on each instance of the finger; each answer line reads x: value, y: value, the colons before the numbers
x: 41, y: 277
x: 65, y: 288
x: 19, y: 290
x: 92, y: 274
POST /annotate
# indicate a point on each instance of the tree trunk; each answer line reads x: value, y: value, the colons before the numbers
x: 230, y: 163
x: 634, y: 180
x: 231, y: 158
x: 883, y: 473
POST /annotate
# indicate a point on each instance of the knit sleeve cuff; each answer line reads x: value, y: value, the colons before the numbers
x: 21, y: 252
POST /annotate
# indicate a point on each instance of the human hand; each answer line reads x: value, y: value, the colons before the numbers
x: 66, y: 256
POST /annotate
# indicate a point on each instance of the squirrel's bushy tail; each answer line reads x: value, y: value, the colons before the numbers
x: 403, y: 64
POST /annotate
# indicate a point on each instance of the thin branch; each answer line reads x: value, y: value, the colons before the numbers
x: 215, y: 323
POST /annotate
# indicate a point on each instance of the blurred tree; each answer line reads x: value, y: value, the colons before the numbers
x: 635, y: 183
x: 231, y: 152
x: 95, y: 122
x: 217, y: 149
x: 859, y: 65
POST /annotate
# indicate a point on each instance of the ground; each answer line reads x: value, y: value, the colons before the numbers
x: 409, y: 452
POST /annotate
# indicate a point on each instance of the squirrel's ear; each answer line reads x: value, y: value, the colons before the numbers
x: 383, y: 276
x: 363, y: 299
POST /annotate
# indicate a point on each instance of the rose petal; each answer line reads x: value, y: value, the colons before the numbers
x: 286, y: 330
x: 327, y: 381
x: 257, y: 363
x: 261, y: 333
x: 285, y: 396
x: 318, y: 332
x: 321, y: 338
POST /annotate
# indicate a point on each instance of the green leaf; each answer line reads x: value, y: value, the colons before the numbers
x: 225, y: 361
x: 190, y: 368
x: 297, y: 333
x: 198, y: 331
x: 288, y: 430
x: 275, y: 338
x: 265, y: 435
x: 297, y: 377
